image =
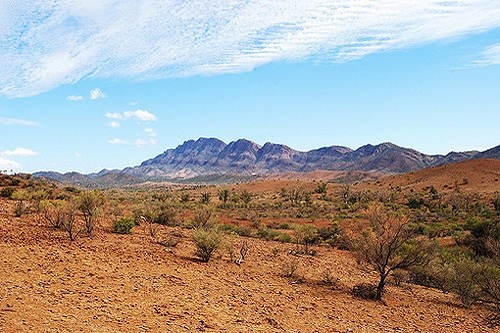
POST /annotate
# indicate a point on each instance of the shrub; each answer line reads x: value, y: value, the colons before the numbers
x: 205, y: 198
x: 72, y: 189
x: 289, y: 267
x: 207, y: 241
x: 204, y: 217
x: 7, y: 192
x: 52, y: 213
x: 69, y: 223
x: 223, y: 195
x: 246, y: 197
x: 307, y: 235
x: 328, y: 278
x: 123, y: 225
x: 321, y: 188
x: 184, y: 197
x: 89, y: 203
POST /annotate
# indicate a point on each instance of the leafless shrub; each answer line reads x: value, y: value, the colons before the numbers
x: 328, y: 278
x: 69, y: 221
x: 289, y: 267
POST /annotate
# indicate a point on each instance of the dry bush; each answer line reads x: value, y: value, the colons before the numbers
x: 69, y: 221
x: 388, y: 245
x: 204, y: 217
x: 207, y: 241
x: 90, y: 203
x: 52, y: 213
x: 290, y: 267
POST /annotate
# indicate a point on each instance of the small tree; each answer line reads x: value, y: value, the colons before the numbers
x: 307, y: 235
x: 89, y: 203
x: 389, y: 244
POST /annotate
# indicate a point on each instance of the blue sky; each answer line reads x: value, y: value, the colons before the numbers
x: 86, y: 85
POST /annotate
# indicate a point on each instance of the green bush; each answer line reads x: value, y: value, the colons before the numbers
x: 6, y: 192
x: 207, y: 241
x: 123, y: 225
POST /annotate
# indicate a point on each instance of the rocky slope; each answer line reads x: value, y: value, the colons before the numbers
x: 208, y: 156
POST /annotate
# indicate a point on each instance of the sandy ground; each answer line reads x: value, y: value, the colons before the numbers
x: 127, y: 283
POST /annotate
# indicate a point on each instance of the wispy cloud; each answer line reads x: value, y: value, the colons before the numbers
x: 141, y: 115
x: 19, y: 152
x: 78, y: 154
x: 150, y: 131
x: 47, y: 44
x: 119, y: 142
x: 490, y: 56
x: 96, y: 93
x: 114, y: 124
x: 74, y: 98
x: 138, y: 143
x: 13, y: 121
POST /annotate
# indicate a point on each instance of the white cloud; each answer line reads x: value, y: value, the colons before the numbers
x: 150, y: 131
x: 19, y: 152
x: 119, y: 142
x: 74, y: 98
x: 49, y: 43
x: 8, y: 164
x: 78, y: 155
x: 133, y: 103
x: 141, y: 115
x: 13, y: 121
x: 6, y: 161
x: 96, y: 93
x: 114, y: 124
x: 141, y: 143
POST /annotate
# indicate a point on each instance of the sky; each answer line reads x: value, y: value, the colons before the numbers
x: 92, y: 84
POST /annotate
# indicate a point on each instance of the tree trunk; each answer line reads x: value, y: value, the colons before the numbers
x: 380, y: 287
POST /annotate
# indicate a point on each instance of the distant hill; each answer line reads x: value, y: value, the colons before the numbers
x: 477, y: 175
x: 208, y: 158
x: 107, y: 180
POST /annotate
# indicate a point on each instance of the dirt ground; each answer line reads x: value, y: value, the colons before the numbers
x: 127, y: 283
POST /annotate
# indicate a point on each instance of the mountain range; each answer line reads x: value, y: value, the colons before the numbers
x: 209, y: 156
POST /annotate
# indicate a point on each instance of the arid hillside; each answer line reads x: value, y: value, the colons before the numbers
x: 480, y: 176
x: 127, y: 283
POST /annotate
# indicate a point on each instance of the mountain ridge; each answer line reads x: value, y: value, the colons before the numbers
x: 208, y: 156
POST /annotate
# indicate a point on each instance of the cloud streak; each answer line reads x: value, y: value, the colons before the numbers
x: 141, y: 115
x: 13, y: 121
x: 47, y: 44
